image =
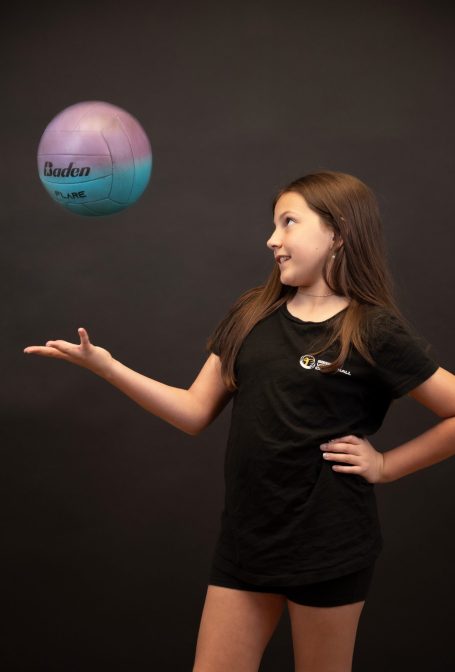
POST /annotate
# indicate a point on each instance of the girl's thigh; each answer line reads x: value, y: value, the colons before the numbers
x: 323, y: 638
x: 235, y: 628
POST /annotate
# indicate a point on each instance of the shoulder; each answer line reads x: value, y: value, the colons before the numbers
x: 379, y: 322
x: 388, y: 332
x: 377, y: 314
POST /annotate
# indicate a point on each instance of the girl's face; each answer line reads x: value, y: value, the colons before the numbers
x: 302, y: 235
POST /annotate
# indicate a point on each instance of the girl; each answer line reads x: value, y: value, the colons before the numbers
x: 312, y: 359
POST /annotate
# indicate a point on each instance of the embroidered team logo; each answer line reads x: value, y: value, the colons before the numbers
x: 310, y: 362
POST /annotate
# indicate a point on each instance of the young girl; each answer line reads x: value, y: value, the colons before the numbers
x: 312, y: 360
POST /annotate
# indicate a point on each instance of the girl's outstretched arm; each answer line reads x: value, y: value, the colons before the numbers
x: 189, y: 410
x: 436, y: 444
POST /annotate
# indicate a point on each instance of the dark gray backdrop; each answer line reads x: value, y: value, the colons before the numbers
x: 109, y: 514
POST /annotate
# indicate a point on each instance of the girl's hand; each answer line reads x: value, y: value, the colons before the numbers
x: 87, y: 355
x: 366, y: 461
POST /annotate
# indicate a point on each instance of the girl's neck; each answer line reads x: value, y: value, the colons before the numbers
x: 318, y: 305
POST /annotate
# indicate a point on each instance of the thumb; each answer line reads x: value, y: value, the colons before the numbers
x: 85, y: 341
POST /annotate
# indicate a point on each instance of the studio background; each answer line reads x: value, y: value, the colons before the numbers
x: 109, y: 514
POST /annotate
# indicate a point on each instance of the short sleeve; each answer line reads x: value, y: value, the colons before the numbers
x: 401, y: 356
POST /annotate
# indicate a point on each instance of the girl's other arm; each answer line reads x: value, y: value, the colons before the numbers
x: 436, y: 444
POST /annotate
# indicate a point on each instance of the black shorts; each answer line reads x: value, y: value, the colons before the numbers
x: 344, y: 589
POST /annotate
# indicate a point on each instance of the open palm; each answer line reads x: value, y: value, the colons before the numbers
x: 85, y: 354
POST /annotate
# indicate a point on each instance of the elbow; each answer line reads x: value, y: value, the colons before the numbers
x: 199, y: 427
x: 195, y: 430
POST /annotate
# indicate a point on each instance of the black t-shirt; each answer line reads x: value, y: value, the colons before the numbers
x: 288, y: 517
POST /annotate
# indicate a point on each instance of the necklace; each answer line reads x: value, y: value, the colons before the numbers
x: 318, y: 295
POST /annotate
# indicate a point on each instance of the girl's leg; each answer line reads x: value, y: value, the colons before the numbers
x: 236, y: 626
x: 323, y: 638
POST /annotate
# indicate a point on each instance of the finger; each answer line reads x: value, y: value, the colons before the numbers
x: 341, y: 447
x: 45, y: 351
x: 85, y: 341
x: 340, y: 457
x: 346, y: 470
x: 61, y: 346
x: 36, y: 349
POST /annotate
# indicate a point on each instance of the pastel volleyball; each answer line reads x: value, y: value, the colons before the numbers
x: 94, y: 159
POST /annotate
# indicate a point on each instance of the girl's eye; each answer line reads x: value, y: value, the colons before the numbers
x: 286, y: 219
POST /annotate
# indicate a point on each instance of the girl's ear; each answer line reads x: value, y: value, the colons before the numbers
x: 339, y: 242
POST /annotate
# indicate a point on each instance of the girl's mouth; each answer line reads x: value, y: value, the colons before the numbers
x: 282, y: 260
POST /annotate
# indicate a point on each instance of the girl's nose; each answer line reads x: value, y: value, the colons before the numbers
x: 271, y: 243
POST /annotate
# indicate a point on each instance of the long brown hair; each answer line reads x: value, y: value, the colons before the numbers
x: 359, y: 271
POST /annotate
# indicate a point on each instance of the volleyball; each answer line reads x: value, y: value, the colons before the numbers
x: 94, y: 158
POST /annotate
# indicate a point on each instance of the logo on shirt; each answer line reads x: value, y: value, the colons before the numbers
x: 310, y: 362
